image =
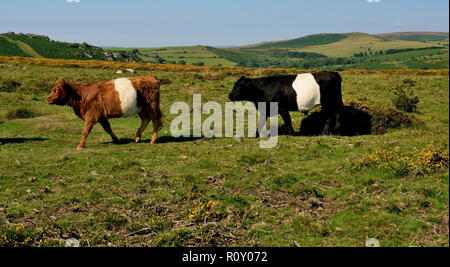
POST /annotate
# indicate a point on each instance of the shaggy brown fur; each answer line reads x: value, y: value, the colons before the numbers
x: 99, y: 101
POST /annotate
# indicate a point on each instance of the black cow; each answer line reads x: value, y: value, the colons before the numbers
x: 300, y: 92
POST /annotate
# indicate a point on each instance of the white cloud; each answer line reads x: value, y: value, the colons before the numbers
x: 373, y: 1
x: 73, y: 1
x: 397, y: 24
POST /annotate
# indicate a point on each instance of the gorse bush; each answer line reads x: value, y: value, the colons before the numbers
x: 404, y: 98
x: 390, y: 118
x: 427, y: 160
x: 206, y: 211
x: 21, y: 236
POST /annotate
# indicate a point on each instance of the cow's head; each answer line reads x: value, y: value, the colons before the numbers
x: 243, y: 90
x: 58, y: 95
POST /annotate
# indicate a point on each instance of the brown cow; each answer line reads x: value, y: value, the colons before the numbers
x: 100, y: 101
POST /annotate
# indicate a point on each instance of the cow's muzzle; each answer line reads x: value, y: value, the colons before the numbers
x: 50, y: 100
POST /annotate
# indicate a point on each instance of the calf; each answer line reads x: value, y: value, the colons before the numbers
x: 100, y: 101
x: 300, y: 92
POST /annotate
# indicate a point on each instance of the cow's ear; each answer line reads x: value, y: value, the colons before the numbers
x: 61, y: 81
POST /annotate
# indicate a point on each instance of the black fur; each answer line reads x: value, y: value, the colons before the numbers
x: 279, y: 89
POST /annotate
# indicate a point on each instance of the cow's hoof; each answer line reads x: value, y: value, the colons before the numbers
x: 80, y: 148
x: 138, y: 139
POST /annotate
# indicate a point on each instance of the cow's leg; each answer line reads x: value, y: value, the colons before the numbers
x: 157, y: 125
x: 157, y: 119
x: 145, y: 119
x: 89, y: 123
x: 287, y: 121
x: 337, y: 127
x: 326, y: 129
x: 328, y: 118
x: 107, y: 127
x: 332, y: 121
x: 262, y: 121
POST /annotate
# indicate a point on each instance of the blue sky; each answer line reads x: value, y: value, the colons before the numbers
x: 150, y: 23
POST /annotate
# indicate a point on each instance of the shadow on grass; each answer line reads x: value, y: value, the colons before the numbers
x: 123, y: 141
x: 4, y: 141
x: 161, y: 140
x: 171, y: 139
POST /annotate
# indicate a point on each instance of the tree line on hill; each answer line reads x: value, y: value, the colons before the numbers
x: 282, y: 58
x: 391, y: 51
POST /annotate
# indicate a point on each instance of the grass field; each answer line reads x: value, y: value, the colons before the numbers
x: 436, y: 58
x: 190, y: 55
x: 308, y: 191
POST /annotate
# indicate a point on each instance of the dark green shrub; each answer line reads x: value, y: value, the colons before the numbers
x: 384, y: 118
x: 20, y: 113
x: 404, y: 98
x: 36, y: 86
x: 199, y: 64
x: 9, y: 86
x: 391, y: 118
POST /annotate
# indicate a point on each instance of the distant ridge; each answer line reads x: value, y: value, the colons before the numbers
x: 329, y: 38
x: 310, y: 40
x: 417, y: 36
x: 38, y: 46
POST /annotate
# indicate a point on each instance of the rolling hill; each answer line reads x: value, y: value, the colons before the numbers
x: 417, y: 36
x: 8, y: 48
x: 39, y: 46
x: 345, y: 51
x: 320, y: 51
x: 342, y: 45
x: 310, y: 40
x: 330, y: 51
